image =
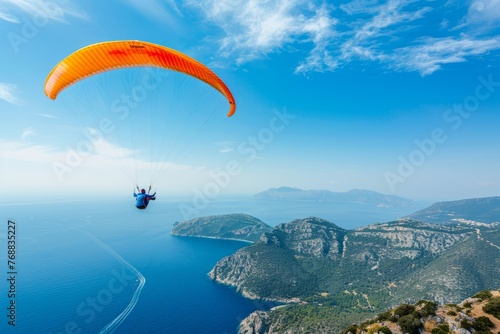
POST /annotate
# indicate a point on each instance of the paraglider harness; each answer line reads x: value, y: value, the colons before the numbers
x: 145, y: 198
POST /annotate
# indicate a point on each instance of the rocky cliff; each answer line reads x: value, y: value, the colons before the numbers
x: 312, y: 255
x: 330, y: 274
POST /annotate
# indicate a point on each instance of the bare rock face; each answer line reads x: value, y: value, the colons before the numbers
x: 310, y: 237
x: 270, y: 268
x: 235, y: 270
x: 256, y: 323
x: 405, y: 239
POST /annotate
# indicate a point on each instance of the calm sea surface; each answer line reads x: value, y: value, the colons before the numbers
x: 106, y: 267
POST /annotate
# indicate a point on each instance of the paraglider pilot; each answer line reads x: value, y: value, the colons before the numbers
x: 143, y: 198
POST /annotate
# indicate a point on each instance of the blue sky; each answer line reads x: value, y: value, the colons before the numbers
x: 400, y: 97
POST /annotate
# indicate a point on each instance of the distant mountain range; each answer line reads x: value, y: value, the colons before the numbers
x: 355, y: 195
x: 484, y: 210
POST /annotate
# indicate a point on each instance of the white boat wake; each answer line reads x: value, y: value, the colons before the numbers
x: 111, y: 327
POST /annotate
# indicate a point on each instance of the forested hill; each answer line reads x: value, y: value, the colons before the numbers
x: 230, y: 226
x: 354, y: 195
x: 484, y: 210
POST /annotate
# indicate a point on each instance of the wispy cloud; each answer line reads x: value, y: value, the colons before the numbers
x: 321, y: 30
x: 433, y: 53
x: 256, y: 28
x: 29, y: 152
x: 7, y: 93
x: 28, y: 132
x: 388, y: 32
x: 46, y: 115
x: 372, y: 38
x: 166, y: 11
x: 387, y: 19
x: 372, y: 41
x: 105, y: 148
x: 102, y: 155
x: 9, y: 18
x: 226, y: 146
x: 360, y: 6
x: 484, y: 15
x: 46, y: 9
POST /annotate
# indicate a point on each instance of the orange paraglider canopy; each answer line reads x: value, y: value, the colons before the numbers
x: 106, y: 56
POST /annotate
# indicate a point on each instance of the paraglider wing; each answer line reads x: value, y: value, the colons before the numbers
x: 106, y: 56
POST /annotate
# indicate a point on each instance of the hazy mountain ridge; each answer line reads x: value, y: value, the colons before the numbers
x: 229, y: 226
x: 354, y: 195
x: 472, y: 211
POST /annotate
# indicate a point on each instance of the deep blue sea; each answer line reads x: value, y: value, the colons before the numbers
x: 89, y: 266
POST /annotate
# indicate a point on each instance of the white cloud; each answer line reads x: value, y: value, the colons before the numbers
x: 102, y: 155
x: 38, y: 8
x: 41, y: 169
x: 256, y: 28
x: 157, y: 9
x: 360, y: 6
x: 29, y: 152
x: 320, y: 28
x: 226, y: 146
x: 107, y: 149
x: 46, y: 115
x: 226, y: 149
x: 389, y: 15
x: 485, y: 13
x: 394, y: 33
x: 7, y: 93
x: 366, y: 42
x: 430, y: 55
x: 9, y: 18
x: 28, y: 132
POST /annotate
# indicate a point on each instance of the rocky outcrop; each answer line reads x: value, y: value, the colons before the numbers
x: 405, y: 239
x: 312, y: 236
x: 463, y: 318
x: 256, y: 323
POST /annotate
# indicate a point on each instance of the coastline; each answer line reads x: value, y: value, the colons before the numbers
x: 209, y: 237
